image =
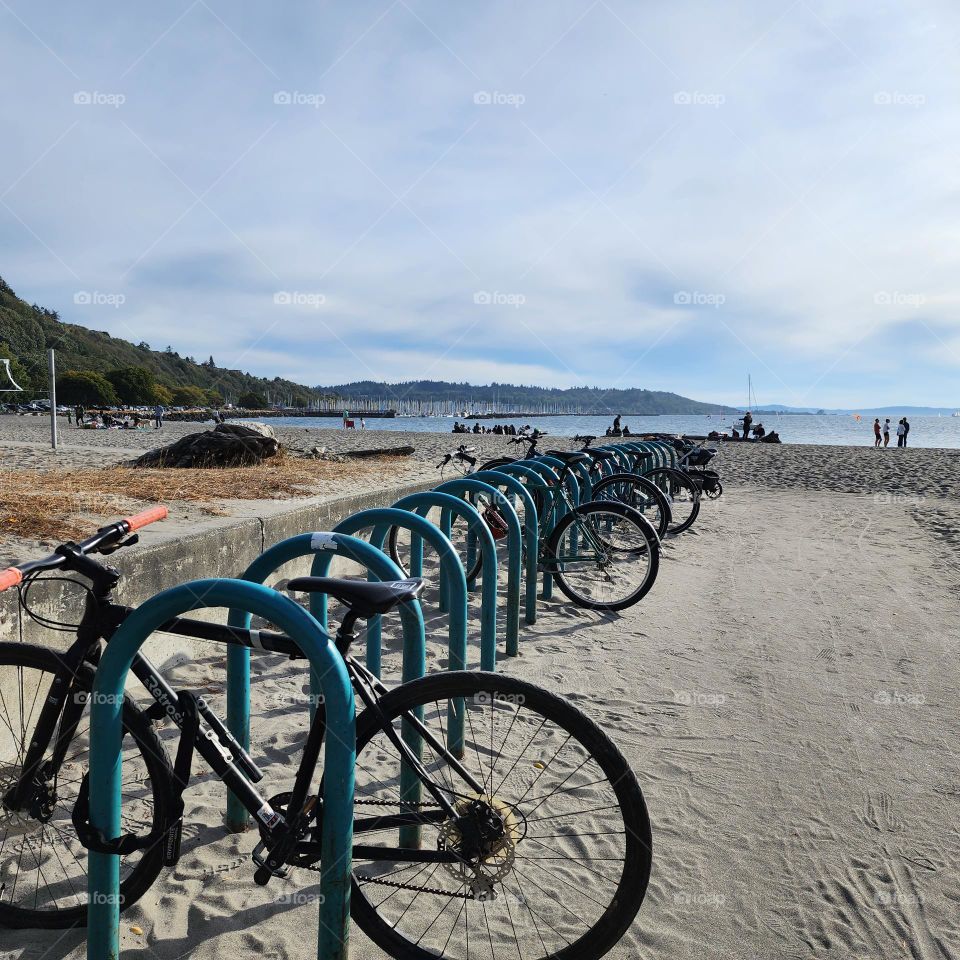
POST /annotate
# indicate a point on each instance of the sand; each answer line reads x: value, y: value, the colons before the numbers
x: 786, y: 695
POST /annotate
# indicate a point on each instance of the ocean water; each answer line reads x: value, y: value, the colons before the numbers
x: 793, y: 428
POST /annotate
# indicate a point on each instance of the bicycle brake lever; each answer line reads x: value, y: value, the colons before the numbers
x: 129, y: 542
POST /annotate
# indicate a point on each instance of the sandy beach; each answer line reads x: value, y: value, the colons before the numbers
x: 786, y: 695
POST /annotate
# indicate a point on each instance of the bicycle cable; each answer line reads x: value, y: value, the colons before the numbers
x: 46, y: 622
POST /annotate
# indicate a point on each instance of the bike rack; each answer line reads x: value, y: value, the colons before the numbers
x: 238, y: 658
x: 393, y: 517
x: 531, y: 525
x: 545, y: 479
x: 106, y: 733
x: 465, y: 486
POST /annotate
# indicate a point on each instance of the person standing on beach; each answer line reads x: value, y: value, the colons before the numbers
x: 906, y: 430
x: 747, y: 423
x: 886, y: 432
x: 876, y: 432
x: 901, y: 433
x: 158, y: 417
x: 363, y: 424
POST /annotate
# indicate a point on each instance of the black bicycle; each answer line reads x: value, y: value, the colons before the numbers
x: 529, y: 838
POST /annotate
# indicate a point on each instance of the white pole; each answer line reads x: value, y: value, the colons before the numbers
x: 53, y: 398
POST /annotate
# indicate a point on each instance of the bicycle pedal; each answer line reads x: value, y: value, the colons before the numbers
x: 267, y: 867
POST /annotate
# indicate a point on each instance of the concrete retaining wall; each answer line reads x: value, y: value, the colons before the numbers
x: 217, y: 549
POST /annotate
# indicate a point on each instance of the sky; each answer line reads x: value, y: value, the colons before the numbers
x: 669, y: 195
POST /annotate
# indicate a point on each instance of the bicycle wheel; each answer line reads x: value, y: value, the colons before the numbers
x: 683, y: 494
x: 554, y: 847
x: 43, y: 866
x: 641, y: 494
x: 604, y: 555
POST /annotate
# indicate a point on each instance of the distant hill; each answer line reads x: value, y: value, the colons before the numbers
x: 864, y: 411
x: 504, y: 396
x: 27, y: 331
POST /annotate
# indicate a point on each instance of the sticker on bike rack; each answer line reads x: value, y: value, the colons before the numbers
x: 255, y: 640
x: 323, y: 541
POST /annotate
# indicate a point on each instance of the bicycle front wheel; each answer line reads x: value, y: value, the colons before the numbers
x: 548, y: 855
x: 43, y: 866
x: 604, y: 555
x: 641, y: 494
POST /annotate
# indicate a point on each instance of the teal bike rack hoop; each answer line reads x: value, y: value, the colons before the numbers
x: 238, y: 658
x: 106, y: 733
x: 540, y: 477
x: 380, y: 519
x: 465, y: 486
x: 531, y: 529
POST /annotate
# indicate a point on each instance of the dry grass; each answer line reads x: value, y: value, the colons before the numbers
x: 65, y: 504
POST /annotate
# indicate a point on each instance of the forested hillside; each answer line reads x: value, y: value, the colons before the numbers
x: 27, y: 331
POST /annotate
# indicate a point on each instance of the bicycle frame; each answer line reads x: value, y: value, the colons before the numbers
x: 63, y: 708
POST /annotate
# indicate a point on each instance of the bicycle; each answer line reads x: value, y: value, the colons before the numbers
x: 604, y: 554
x: 675, y: 483
x: 536, y: 802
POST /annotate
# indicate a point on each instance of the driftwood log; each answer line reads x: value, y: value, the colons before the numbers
x: 322, y: 453
x: 227, y: 445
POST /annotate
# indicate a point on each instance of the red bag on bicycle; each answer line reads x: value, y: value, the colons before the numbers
x: 496, y: 522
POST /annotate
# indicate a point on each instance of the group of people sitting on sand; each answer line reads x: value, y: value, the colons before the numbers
x: 616, y: 430
x: 503, y: 429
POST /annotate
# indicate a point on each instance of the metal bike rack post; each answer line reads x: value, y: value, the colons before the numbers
x: 463, y: 486
x: 238, y: 658
x: 548, y: 481
x: 531, y: 527
x: 106, y: 733
x: 451, y: 571
x: 386, y: 517
x: 380, y: 519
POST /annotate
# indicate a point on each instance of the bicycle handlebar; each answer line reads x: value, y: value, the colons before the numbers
x: 104, y: 537
x: 145, y: 517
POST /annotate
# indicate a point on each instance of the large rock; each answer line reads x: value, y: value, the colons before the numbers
x: 227, y: 445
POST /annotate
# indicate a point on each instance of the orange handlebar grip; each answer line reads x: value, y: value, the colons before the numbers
x: 9, y: 578
x: 152, y: 515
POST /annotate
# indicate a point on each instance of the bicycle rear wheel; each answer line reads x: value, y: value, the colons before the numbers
x: 683, y: 494
x: 604, y: 555
x: 554, y: 848
x: 43, y: 866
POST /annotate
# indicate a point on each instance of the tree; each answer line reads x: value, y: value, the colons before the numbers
x: 134, y: 385
x: 163, y: 395
x: 189, y: 397
x: 252, y: 401
x: 214, y: 399
x: 86, y: 387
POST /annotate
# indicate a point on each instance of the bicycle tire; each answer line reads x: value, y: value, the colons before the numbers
x: 148, y: 863
x: 620, y: 781
x: 620, y: 484
x: 642, y: 530
x: 673, y: 483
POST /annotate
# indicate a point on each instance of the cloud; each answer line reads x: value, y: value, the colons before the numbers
x: 656, y: 196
